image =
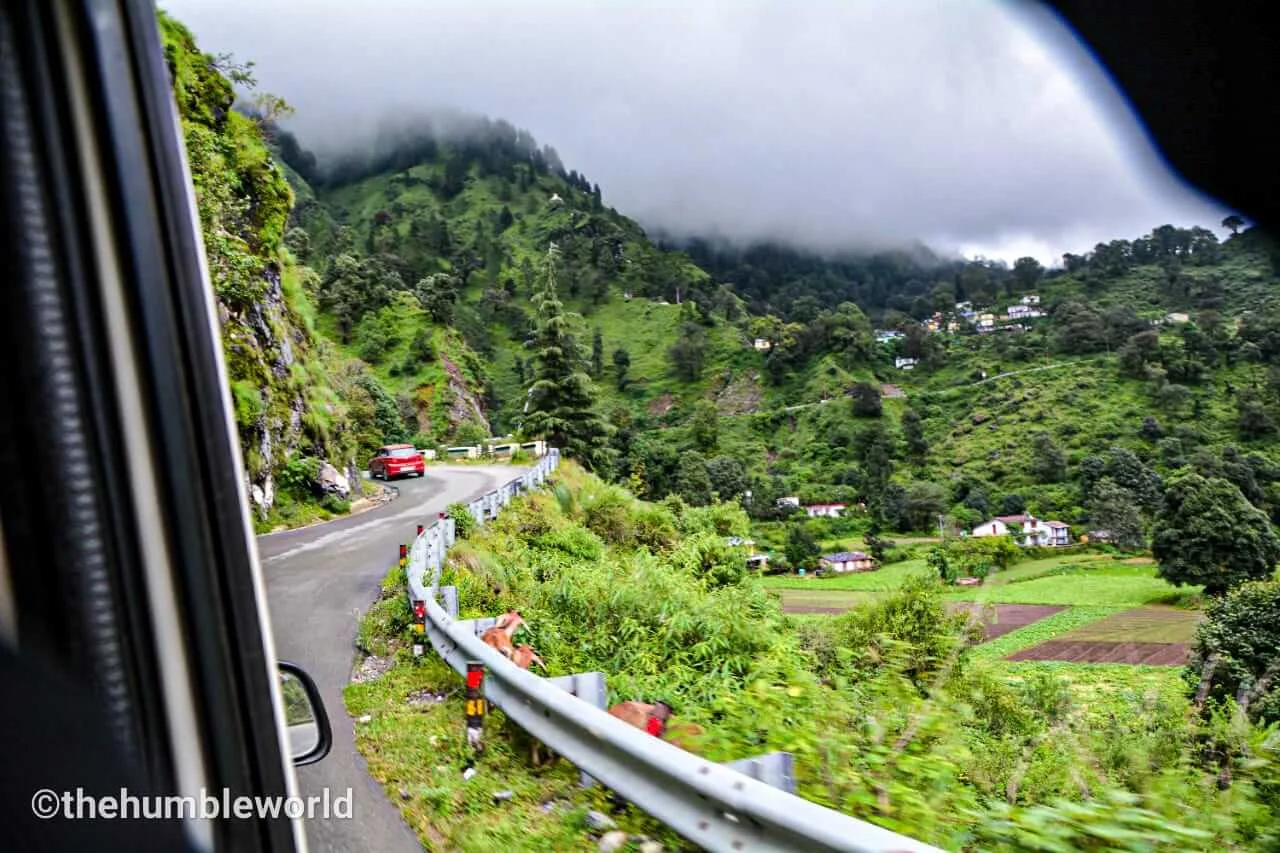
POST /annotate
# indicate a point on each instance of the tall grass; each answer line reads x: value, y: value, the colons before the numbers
x: 890, y: 716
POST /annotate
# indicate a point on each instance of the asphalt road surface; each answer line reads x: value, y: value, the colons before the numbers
x: 319, y: 579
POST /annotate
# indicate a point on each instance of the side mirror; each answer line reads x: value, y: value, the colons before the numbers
x: 305, y: 721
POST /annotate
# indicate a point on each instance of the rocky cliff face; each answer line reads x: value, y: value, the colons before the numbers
x: 284, y: 405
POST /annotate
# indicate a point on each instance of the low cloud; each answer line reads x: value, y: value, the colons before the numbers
x: 977, y: 127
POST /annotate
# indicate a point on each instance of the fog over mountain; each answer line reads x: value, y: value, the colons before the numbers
x: 979, y: 127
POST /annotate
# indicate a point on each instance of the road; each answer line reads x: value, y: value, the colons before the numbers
x: 318, y: 579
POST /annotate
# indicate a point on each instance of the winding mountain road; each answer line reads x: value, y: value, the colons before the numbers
x: 319, y: 579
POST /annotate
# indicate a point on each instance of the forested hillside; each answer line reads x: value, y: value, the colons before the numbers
x: 430, y: 251
x: 400, y: 303
x: 726, y: 369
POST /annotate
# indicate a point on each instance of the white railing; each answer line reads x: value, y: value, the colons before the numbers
x: 712, y: 805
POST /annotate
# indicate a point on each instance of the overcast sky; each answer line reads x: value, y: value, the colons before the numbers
x: 972, y: 125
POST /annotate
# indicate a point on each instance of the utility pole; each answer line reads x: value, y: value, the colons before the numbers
x: 942, y: 534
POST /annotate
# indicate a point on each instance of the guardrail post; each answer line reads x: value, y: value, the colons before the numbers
x: 404, y: 557
x: 448, y: 598
x: 419, y: 626
x: 772, y: 768
x: 590, y: 688
x: 420, y: 529
x: 475, y: 705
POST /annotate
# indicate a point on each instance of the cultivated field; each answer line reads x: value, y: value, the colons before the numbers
x: 1083, y: 609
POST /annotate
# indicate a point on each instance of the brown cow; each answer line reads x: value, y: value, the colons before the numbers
x: 656, y: 720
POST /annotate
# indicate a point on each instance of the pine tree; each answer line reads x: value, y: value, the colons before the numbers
x: 562, y: 400
x: 597, y: 354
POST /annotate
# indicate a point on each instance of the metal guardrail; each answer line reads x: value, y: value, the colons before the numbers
x: 712, y: 805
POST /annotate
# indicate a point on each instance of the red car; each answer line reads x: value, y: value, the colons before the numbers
x: 397, y: 460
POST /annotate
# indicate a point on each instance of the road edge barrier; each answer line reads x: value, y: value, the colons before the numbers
x: 715, y: 806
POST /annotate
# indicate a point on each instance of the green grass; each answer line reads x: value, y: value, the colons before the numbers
x: 881, y: 580
x: 842, y: 598
x: 1144, y: 625
x: 1032, y: 569
x: 1104, y: 688
x: 418, y: 753
x: 1050, y: 628
x: 1110, y: 586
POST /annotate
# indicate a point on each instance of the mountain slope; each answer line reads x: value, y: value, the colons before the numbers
x: 286, y: 405
x: 464, y: 223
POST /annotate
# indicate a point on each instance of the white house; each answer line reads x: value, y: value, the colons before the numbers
x: 847, y: 561
x: 905, y: 363
x: 1024, y: 312
x: 1031, y: 299
x: 1027, y: 529
x: 763, y: 344
x: 883, y: 336
x: 986, y: 322
x: 788, y: 501
x: 962, y: 307
x: 825, y: 510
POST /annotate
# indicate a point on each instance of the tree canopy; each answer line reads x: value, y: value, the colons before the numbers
x: 562, y: 399
x: 1207, y: 533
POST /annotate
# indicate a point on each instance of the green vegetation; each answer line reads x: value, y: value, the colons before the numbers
x: 394, y: 296
x: 1052, y: 627
x: 294, y: 402
x: 890, y: 577
x: 1237, y: 651
x: 562, y: 397
x: 1209, y: 534
x: 415, y: 746
x: 892, y: 716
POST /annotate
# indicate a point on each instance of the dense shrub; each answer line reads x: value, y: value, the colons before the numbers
x: 463, y: 521
x: 1237, y: 647
x: 887, y: 714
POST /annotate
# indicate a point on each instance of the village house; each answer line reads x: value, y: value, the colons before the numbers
x: 1024, y: 312
x: 825, y: 510
x: 791, y: 501
x: 884, y: 336
x: 757, y: 562
x: 763, y: 344
x: 847, y: 561
x: 1027, y: 530
x: 1031, y: 299
x: 905, y: 363
x: 985, y: 322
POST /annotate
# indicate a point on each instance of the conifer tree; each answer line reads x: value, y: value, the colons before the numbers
x: 562, y: 400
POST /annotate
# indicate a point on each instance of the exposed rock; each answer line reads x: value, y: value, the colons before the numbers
x: 612, y: 842
x: 404, y: 794
x: 331, y: 481
x: 424, y: 697
x: 600, y: 821
x: 740, y: 395
x: 662, y: 404
x: 372, y: 668
x: 650, y: 846
x: 502, y: 796
x: 464, y: 406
